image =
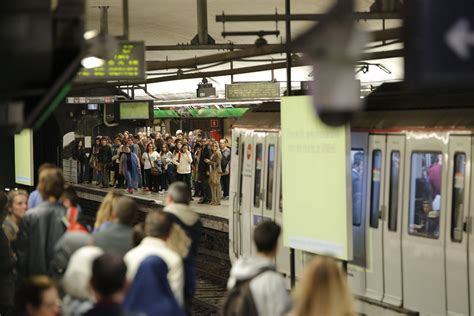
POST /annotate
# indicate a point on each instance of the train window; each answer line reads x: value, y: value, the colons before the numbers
x: 270, y: 173
x: 375, y: 188
x: 425, y: 194
x: 393, y: 191
x: 457, y: 207
x: 357, y: 163
x: 258, y: 175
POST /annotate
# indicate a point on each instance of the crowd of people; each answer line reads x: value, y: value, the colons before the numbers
x: 59, y: 262
x: 153, y: 162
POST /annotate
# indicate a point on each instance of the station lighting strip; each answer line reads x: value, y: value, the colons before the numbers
x: 212, y: 102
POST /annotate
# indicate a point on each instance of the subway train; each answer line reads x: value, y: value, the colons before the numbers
x: 411, y: 185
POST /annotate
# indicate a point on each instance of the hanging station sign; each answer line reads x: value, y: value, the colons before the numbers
x: 252, y: 90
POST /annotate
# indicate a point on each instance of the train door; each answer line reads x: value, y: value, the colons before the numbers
x: 423, y: 233
x: 374, y: 271
x: 258, y: 183
x: 246, y: 188
x: 457, y: 206
x: 356, y: 269
x: 235, y: 229
x: 391, y: 216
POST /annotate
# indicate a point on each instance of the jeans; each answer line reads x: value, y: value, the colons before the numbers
x: 132, y: 179
x: 80, y: 171
x: 184, y: 177
x: 225, y: 180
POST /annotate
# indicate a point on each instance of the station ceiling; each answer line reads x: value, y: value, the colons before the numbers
x: 172, y: 22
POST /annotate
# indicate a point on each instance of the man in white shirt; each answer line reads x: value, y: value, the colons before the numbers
x: 157, y: 229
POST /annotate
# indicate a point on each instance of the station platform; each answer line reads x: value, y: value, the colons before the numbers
x: 213, y: 216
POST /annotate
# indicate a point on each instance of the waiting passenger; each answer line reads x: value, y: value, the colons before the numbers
x: 35, y: 198
x: 75, y: 283
x: 158, y: 226
x: 183, y: 160
x: 16, y: 206
x: 118, y: 238
x: 108, y: 285
x: 177, y: 206
x: 104, y: 216
x: 150, y: 292
x: 7, y: 266
x: 255, y: 281
x: 42, y: 226
x: 215, y: 172
x: 323, y: 290
x: 130, y: 168
x: 37, y: 296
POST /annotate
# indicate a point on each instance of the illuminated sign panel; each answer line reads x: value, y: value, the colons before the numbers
x: 252, y: 90
x: 24, y: 157
x: 317, y: 215
x: 135, y: 110
x: 128, y: 64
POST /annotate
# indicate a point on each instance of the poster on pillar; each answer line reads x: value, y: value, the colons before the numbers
x: 317, y: 215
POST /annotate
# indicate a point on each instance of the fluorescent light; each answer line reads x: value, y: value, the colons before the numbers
x: 90, y: 34
x: 92, y: 62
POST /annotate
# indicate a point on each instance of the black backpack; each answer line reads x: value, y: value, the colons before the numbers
x: 239, y: 300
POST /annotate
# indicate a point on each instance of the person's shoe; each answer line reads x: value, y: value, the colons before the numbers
x: 225, y: 198
x: 203, y: 202
x: 130, y: 191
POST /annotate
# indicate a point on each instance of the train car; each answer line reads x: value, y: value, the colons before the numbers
x: 411, y: 187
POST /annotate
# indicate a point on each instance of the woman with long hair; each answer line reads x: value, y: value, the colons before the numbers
x: 17, y: 204
x: 149, y: 158
x: 323, y: 290
x: 130, y: 168
x: 104, y: 215
x: 183, y: 159
x: 215, y: 172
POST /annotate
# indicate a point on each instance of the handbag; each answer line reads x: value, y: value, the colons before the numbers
x: 154, y: 170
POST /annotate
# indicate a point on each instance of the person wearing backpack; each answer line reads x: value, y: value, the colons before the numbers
x: 254, y: 286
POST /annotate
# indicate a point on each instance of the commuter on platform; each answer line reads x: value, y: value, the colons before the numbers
x: 79, y: 154
x: 158, y: 226
x: 178, y: 208
x: 203, y: 171
x: 167, y: 176
x: 183, y: 159
x: 215, y: 174
x: 118, y: 238
x: 94, y: 174
x: 108, y: 285
x: 130, y: 168
x: 37, y: 296
x: 149, y: 159
x: 42, y: 226
x: 35, y: 198
x: 267, y: 286
x: 225, y: 166
x: 104, y: 216
x: 323, y: 290
x: 7, y: 266
x: 16, y: 207
x: 104, y: 159
x: 75, y: 283
x: 150, y: 292
x: 117, y: 180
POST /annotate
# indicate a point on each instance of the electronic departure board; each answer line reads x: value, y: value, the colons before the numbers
x: 128, y: 64
x: 134, y: 110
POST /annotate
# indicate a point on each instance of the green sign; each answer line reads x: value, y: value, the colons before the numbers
x: 157, y: 113
x: 134, y: 110
x: 219, y: 113
x: 128, y: 64
x: 252, y: 90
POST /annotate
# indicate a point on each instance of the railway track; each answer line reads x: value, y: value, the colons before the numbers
x: 210, y: 293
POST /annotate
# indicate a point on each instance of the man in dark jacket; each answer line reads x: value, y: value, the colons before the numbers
x: 119, y: 237
x: 104, y: 159
x: 203, y: 171
x: 42, y: 226
x: 7, y: 266
x: 177, y: 206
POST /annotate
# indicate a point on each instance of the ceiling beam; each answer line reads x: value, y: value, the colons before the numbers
x: 304, y: 17
x: 376, y: 36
